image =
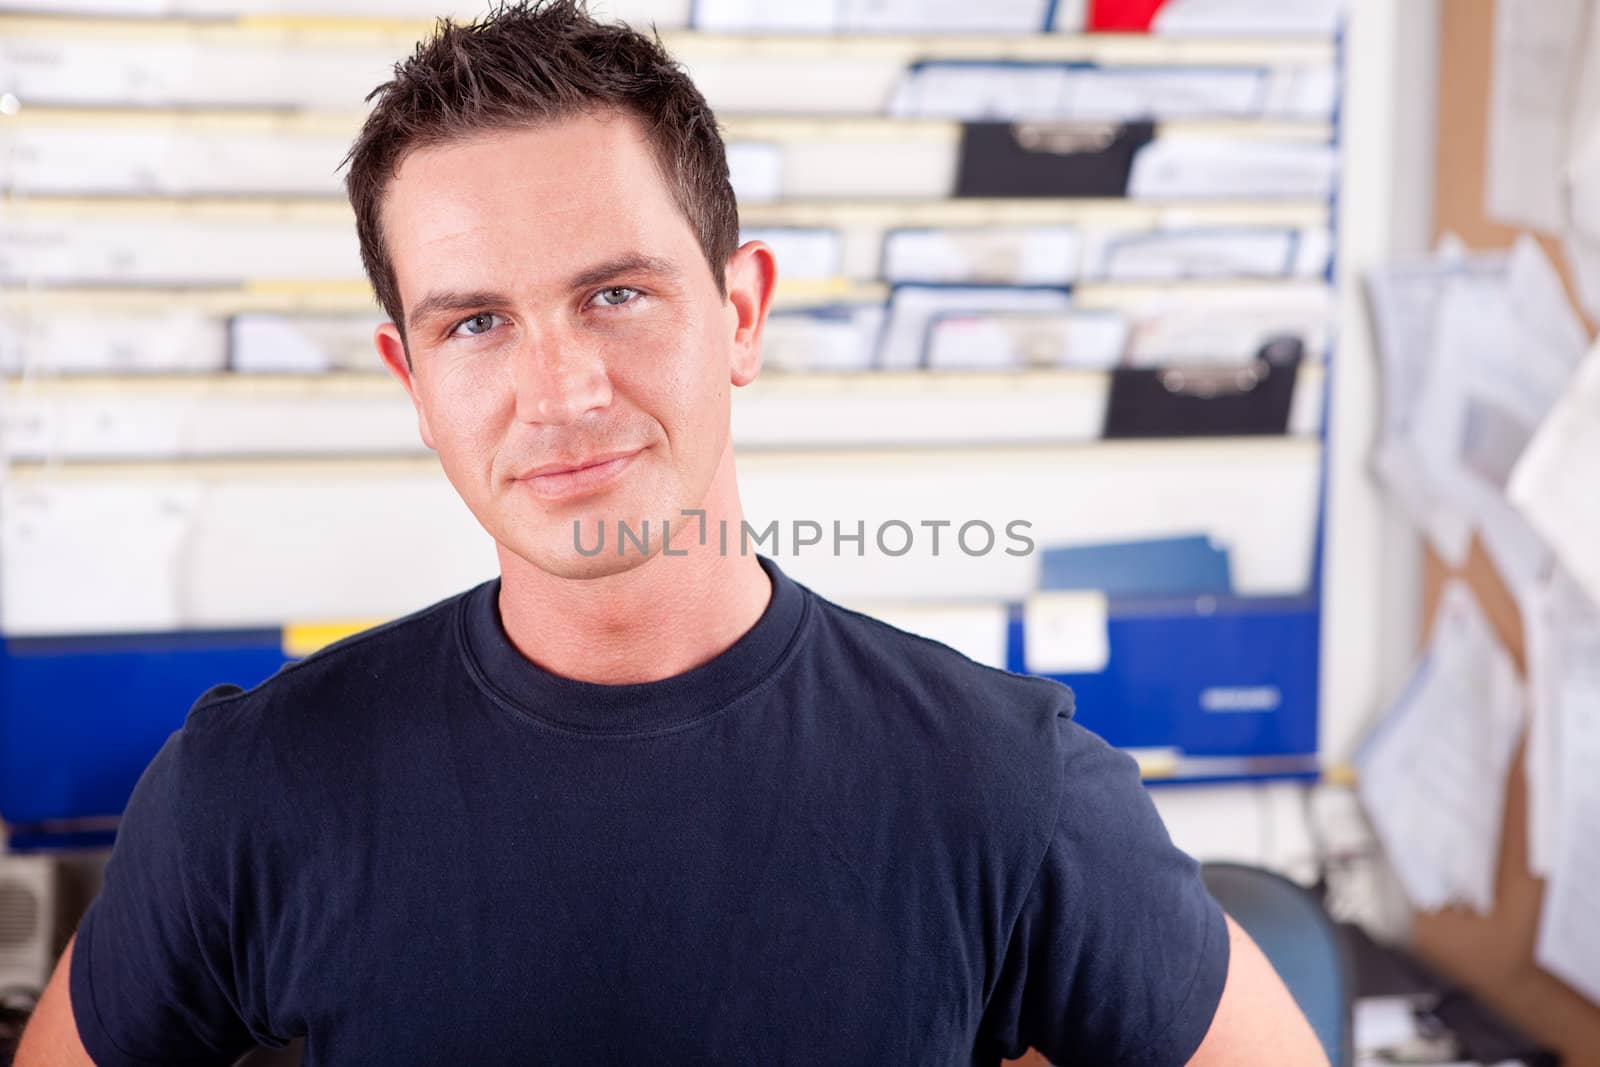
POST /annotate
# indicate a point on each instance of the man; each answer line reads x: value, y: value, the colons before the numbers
x: 661, y: 805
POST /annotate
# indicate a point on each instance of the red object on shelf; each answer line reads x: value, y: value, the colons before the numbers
x: 1122, y: 16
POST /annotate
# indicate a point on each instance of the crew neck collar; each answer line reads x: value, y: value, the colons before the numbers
x: 643, y: 707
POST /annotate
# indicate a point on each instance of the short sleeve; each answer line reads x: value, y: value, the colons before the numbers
x: 150, y: 978
x: 1119, y: 954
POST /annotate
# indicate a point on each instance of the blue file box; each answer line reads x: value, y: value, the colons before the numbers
x: 1210, y: 677
x: 80, y: 717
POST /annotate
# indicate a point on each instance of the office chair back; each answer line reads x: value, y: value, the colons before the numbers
x: 1299, y: 939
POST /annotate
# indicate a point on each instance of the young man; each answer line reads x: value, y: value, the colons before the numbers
x: 639, y: 807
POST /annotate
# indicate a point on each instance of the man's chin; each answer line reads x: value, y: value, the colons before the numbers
x: 568, y: 561
x: 581, y: 568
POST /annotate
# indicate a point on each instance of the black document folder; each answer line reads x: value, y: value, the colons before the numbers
x: 1206, y: 401
x: 1069, y: 159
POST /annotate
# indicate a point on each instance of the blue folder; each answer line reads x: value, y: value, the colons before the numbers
x: 1165, y: 567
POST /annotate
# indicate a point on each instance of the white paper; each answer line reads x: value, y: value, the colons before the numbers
x: 1287, y: 18
x: 1196, y: 167
x: 1089, y: 340
x: 1583, y: 252
x: 1556, y: 484
x: 1068, y: 16
x: 821, y: 164
x: 1126, y: 94
x: 1405, y: 300
x: 1500, y: 357
x: 1568, y: 944
x: 1383, y: 1023
x: 1308, y: 91
x: 272, y: 343
x: 912, y: 310
x: 943, y: 16
x: 976, y: 92
x: 174, y: 251
x: 262, y: 342
x: 1065, y: 633
x: 97, y: 66
x: 1562, y: 628
x: 1536, y: 62
x: 809, y: 253
x: 1225, y: 325
x: 641, y: 14
x: 831, y: 339
x: 1432, y: 775
x: 52, y: 340
x: 1007, y: 255
x: 1580, y: 236
x: 171, y: 159
x: 740, y: 16
x: 1405, y: 304
x: 755, y: 170
x: 1179, y: 255
x: 977, y: 631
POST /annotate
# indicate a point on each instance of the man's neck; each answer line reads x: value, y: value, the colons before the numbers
x: 663, y: 617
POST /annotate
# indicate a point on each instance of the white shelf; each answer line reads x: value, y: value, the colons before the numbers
x: 219, y: 417
x: 779, y: 128
x: 90, y: 154
x: 312, y: 64
x: 886, y: 212
x: 356, y: 31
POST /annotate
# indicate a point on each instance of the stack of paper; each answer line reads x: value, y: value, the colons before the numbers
x: 1432, y: 775
x: 1562, y: 630
x: 1554, y: 484
x: 1476, y: 352
x: 1568, y: 944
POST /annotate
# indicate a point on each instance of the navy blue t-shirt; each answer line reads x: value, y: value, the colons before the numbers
x: 834, y: 843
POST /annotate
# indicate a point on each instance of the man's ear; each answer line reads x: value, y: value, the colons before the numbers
x: 752, y: 274
x: 392, y: 348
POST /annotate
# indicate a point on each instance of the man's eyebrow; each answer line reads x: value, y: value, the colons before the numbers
x: 435, y: 303
x: 633, y: 263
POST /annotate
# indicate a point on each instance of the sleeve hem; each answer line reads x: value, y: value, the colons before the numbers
x: 1182, y: 1037
x: 92, y: 1033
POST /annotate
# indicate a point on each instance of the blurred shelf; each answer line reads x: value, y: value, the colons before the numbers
x: 689, y: 43
x: 354, y: 296
x: 887, y: 212
x: 90, y: 154
x: 1163, y: 454
x: 778, y: 128
x: 217, y: 417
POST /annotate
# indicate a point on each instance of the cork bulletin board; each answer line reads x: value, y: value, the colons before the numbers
x: 1492, y: 955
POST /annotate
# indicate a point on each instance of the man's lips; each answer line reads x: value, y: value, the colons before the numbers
x: 570, y: 478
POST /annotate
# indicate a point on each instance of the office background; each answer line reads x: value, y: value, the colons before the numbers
x: 1094, y: 265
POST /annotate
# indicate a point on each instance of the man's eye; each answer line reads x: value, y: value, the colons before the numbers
x: 615, y: 296
x: 478, y: 324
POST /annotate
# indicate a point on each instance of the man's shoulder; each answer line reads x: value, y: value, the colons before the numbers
x: 339, y: 679
x: 946, y: 718
x: 934, y: 668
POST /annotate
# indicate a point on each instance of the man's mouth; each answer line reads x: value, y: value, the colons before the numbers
x: 566, y: 479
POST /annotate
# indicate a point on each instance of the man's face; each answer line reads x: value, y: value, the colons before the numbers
x: 572, y: 359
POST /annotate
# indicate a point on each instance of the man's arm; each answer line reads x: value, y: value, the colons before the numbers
x: 1257, y: 1021
x: 51, y: 1038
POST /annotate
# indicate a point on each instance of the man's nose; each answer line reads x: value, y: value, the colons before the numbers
x: 558, y: 378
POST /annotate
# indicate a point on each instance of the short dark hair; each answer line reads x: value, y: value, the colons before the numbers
x: 530, y: 62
